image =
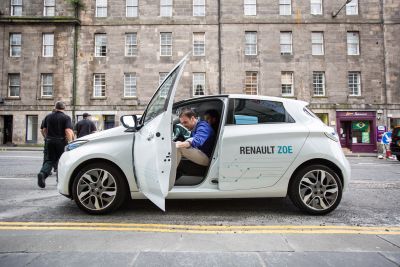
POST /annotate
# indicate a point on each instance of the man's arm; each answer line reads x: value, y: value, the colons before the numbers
x: 43, y: 131
x: 203, y: 133
x: 69, y: 134
x: 93, y: 127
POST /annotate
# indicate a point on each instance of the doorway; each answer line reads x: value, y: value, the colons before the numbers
x: 345, y: 134
x: 7, y: 129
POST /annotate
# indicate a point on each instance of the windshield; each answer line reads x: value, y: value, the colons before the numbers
x: 158, y: 103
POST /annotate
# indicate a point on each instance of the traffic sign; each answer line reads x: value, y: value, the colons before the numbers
x: 386, y: 138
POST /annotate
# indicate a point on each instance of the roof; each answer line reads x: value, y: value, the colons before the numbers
x: 243, y: 96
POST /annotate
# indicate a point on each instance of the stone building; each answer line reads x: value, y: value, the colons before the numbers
x: 342, y: 59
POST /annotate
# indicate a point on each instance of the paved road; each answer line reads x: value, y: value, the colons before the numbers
x: 40, y: 227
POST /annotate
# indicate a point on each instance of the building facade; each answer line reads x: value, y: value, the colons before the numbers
x: 108, y: 57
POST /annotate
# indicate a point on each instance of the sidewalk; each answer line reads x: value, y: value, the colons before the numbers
x: 21, y: 148
x: 89, y: 248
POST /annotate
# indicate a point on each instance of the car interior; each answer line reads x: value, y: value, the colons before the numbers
x: 188, y: 172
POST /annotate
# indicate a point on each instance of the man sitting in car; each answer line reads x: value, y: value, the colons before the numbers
x: 198, y: 147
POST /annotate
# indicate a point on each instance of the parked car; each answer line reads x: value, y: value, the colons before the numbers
x: 265, y: 147
x: 395, y: 143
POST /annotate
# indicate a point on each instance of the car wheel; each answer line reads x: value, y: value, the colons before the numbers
x: 99, y: 188
x: 316, y: 190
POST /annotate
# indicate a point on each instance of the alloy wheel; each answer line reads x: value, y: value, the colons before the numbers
x: 96, y: 189
x: 318, y: 190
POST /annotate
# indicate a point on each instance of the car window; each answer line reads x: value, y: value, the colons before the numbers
x: 253, y: 111
x: 396, y: 132
x: 158, y: 104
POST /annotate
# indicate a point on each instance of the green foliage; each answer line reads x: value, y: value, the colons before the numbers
x: 77, y: 3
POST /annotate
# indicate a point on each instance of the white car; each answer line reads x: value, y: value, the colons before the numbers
x: 265, y: 147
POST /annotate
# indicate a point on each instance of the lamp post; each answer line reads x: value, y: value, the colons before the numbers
x: 334, y: 14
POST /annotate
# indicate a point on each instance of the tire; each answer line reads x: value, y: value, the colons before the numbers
x: 99, y: 188
x: 314, y: 195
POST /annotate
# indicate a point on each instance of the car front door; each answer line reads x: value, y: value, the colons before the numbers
x: 259, y: 143
x: 154, y: 152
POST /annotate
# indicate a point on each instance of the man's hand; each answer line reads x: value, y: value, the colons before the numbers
x: 184, y: 144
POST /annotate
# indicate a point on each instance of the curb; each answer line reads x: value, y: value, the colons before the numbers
x: 359, y: 155
x: 21, y: 148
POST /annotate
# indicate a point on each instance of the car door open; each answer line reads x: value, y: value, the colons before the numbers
x: 154, y: 152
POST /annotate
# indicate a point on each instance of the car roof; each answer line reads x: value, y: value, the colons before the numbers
x: 256, y: 97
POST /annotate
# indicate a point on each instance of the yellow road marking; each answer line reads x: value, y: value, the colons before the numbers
x: 228, y: 229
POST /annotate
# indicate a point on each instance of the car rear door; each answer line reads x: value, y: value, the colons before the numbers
x: 259, y: 143
x: 154, y: 152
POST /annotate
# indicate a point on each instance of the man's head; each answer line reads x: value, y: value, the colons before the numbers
x: 85, y: 115
x: 187, y: 117
x: 212, y: 117
x: 59, y: 105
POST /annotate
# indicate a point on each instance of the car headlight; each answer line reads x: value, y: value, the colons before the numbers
x: 75, y: 144
x: 332, y: 135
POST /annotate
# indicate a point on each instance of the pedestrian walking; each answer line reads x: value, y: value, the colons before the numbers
x: 45, y: 156
x: 57, y: 127
x: 85, y: 126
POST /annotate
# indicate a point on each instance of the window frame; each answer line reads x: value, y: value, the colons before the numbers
x: 196, y: 81
x: 250, y: 7
x: 199, y: 10
x: 316, y: 84
x: 31, y: 127
x: 16, y: 6
x: 101, y: 6
x: 102, y: 87
x: 249, y: 83
x: 11, y: 38
x: 320, y: 4
x: 321, y: 43
x: 230, y: 120
x: 98, y: 49
x: 168, y: 46
x: 133, y: 7
x: 357, y: 84
x: 283, y: 7
x: 353, y: 5
x: 134, y: 84
x: 198, y: 45
x: 249, y: 45
x: 286, y: 84
x: 46, y: 8
x: 44, y: 45
x: 283, y: 53
x: 42, y: 85
x: 351, y: 43
x: 9, y: 87
x: 166, y: 8
x: 133, y: 46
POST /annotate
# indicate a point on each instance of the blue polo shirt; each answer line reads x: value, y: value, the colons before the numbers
x: 203, y: 137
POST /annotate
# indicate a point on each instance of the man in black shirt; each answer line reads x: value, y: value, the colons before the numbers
x: 45, y: 157
x: 85, y: 126
x: 57, y: 127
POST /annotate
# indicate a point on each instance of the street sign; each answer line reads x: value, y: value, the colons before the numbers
x: 380, y: 130
x: 386, y: 138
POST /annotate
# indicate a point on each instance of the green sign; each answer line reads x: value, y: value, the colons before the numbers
x: 365, y: 137
x: 360, y: 125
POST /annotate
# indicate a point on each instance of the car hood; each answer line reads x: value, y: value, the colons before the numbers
x: 117, y: 131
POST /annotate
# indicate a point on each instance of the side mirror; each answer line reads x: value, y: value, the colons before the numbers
x: 129, y: 122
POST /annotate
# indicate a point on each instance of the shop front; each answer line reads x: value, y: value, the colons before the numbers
x: 357, y: 130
